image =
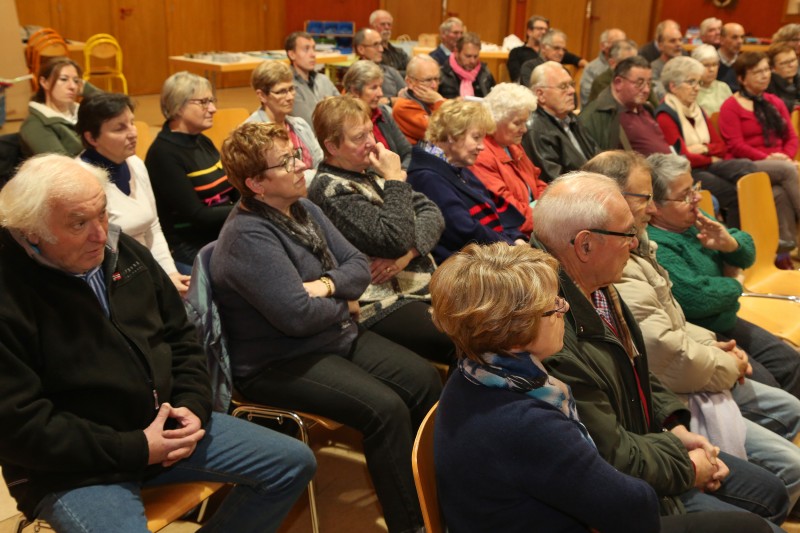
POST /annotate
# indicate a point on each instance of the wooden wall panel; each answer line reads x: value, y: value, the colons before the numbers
x: 487, y: 19
x: 12, y: 62
x: 760, y: 19
x: 633, y: 16
x: 193, y: 26
x: 414, y: 17
x: 142, y: 34
x: 80, y: 19
x: 565, y: 15
x: 36, y: 13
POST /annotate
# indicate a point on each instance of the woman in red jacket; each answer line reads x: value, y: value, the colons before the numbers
x: 503, y: 167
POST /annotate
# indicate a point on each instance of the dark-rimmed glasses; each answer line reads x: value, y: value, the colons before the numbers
x: 640, y: 83
x: 633, y: 233
x: 289, y: 162
x: 560, y: 307
x: 646, y: 197
x: 203, y: 102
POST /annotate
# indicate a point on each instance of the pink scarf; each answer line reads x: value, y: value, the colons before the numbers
x: 466, y: 76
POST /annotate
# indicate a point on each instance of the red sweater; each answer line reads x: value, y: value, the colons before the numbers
x: 743, y: 133
x: 510, y: 177
x: 673, y: 136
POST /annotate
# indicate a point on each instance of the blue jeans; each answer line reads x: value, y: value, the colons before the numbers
x: 774, y: 362
x: 270, y: 471
x: 772, y: 418
x: 748, y: 487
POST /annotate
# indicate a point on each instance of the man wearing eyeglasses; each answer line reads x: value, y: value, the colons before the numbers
x: 535, y: 30
x: 382, y: 22
x: 600, y: 64
x: 554, y: 46
x: 556, y: 142
x: 712, y: 376
x: 638, y: 426
x: 368, y: 45
x: 310, y: 86
x: 413, y: 109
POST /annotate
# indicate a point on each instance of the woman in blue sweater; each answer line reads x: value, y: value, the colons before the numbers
x: 510, y: 453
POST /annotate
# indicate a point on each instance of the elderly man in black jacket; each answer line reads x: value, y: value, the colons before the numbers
x: 104, y: 386
x: 556, y: 142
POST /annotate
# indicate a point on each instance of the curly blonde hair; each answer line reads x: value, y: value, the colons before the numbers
x: 455, y: 117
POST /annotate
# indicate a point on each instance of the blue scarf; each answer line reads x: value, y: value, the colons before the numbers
x: 525, y: 375
x: 118, y: 173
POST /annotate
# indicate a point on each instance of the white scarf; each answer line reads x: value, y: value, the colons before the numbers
x: 693, y: 134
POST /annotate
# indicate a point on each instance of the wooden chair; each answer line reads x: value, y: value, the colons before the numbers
x: 714, y: 118
x: 225, y: 121
x: 796, y: 126
x: 145, y: 138
x: 779, y: 316
x: 428, y: 39
x: 760, y: 220
x: 164, y: 504
x: 43, y: 45
x: 103, y: 60
x: 425, y: 475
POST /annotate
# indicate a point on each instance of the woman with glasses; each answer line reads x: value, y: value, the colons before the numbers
x: 287, y: 284
x: 510, y: 451
x: 105, y: 124
x: 757, y: 125
x: 440, y: 170
x: 53, y: 110
x: 273, y: 83
x: 785, y: 81
x: 192, y: 193
x: 363, y: 80
x: 713, y: 92
x: 689, y: 131
x: 362, y: 189
x: 503, y: 167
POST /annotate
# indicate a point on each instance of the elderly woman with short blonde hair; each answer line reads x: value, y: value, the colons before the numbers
x: 440, y: 170
x: 503, y: 167
x: 712, y: 91
x: 363, y: 80
x: 273, y: 83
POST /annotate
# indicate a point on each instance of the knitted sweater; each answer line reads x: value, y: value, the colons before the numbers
x: 192, y: 192
x: 708, y: 298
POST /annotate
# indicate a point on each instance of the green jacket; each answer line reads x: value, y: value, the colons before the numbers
x: 598, y: 369
x: 42, y: 134
x: 601, y: 119
x: 708, y: 298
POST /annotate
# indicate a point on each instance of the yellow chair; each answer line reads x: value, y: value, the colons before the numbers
x: 103, y: 60
x: 425, y: 475
x: 225, y: 121
x: 162, y: 505
x: 145, y: 138
x: 796, y: 126
x: 779, y: 316
x: 706, y: 203
x: 760, y: 220
x: 714, y: 118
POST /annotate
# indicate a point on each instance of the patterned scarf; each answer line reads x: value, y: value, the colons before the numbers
x: 768, y: 117
x: 525, y: 375
x: 300, y: 227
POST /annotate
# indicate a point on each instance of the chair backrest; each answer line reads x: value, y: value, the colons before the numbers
x: 706, y: 203
x: 714, y: 118
x: 203, y: 311
x: 425, y: 475
x: 225, y: 121
x: 758, y: 215
x: 145, y: 138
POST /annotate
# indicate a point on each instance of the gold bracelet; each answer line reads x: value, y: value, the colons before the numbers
x: 328, y: 283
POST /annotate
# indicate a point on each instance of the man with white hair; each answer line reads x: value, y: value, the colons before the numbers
x: 555, y: 141
x: 535, y: 30
x: 553, y: 48
x: 710, y: 30
x: 652, y: 50
x: 600, y: 64
x: 382, y: 21
x: 638, y: 426
x: 450, y: 31
x: 105, y: 387
x: 413, y: 109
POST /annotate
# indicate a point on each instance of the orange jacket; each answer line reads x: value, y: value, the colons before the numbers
x: 412, y: 118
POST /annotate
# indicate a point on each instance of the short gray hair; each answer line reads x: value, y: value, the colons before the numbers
x: 707, y: 23
x: 617, y: 165
x: 26, y: 200
x: 665, y: 169
x: 548, y: 37
x: 448, y: 24
x: 375, y: 14
x: 360, y: 74
x: 178, y: 89
x: 663, y: 26
x: 705, y: 52
x: 572, y: 203
x: 621, y: 47
x: 540, y: 72
x: 507, y: 99
x: 787, y: 33
x: 679, y: 69
x: 414, y: 63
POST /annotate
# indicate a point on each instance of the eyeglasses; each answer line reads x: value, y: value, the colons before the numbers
x: 373, y: 45
x: 203, y: 102
x: 629, y: 236
x: 690, y: 197
x: 556, y: 48
x: 289, y: 162
x: 560, y: 307
x: 566, y: 86
x: 284, y: 92
x: 540, y: 28
x: 640, y: 83
x: 434, y: 79
x: 786, y: 62
x: 646, y: 197
x: 692, y: 83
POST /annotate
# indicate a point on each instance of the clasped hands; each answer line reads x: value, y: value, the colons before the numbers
x: 168, y: 446
x: 709, y: 468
